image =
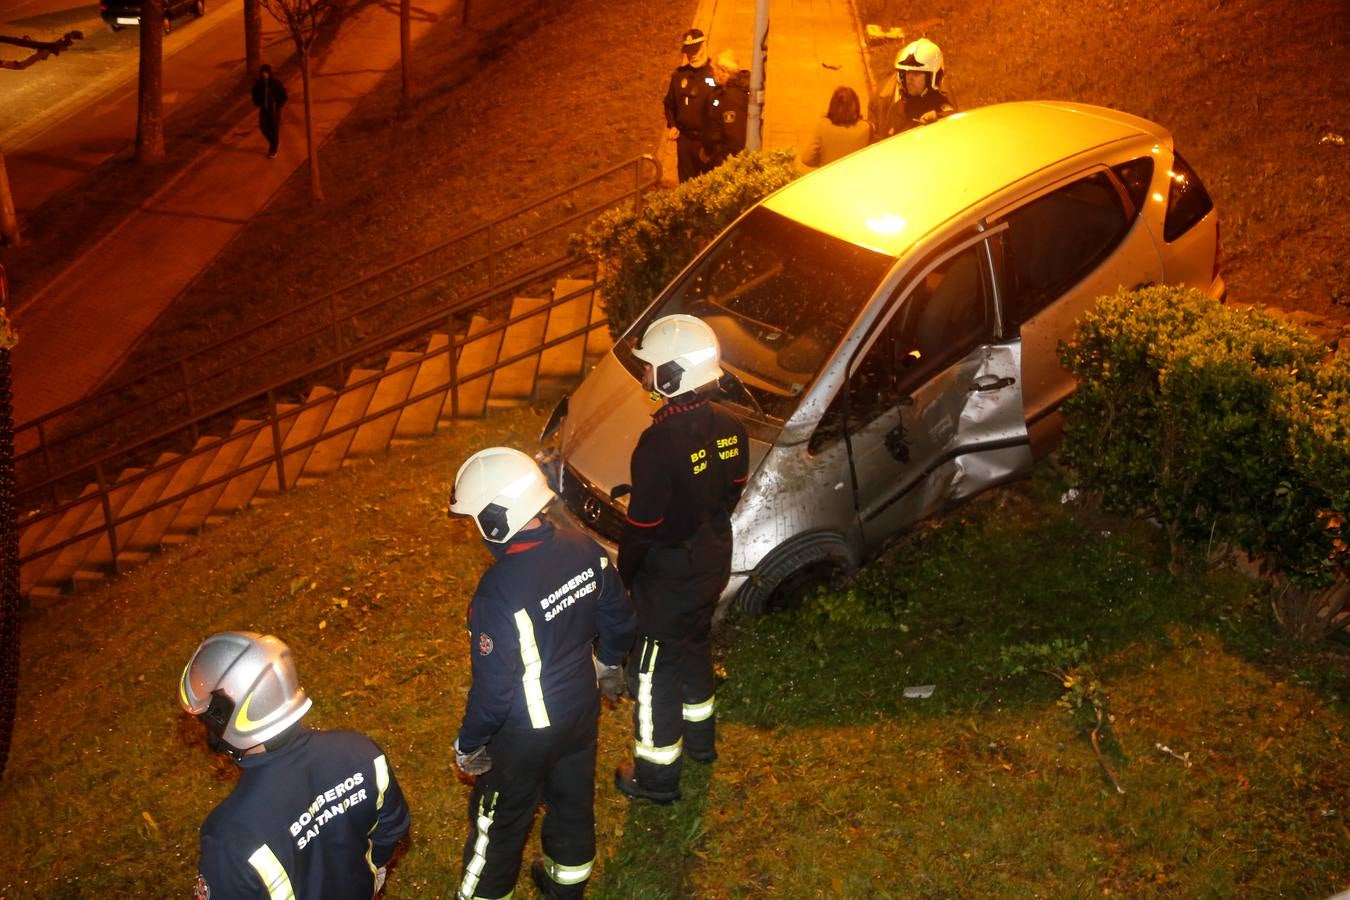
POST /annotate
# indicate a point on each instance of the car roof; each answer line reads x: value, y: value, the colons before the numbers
x: 891, y: 194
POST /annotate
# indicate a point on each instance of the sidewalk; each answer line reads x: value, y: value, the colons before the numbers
x: 813, y: 49
x: 74, y: 332
x: 78, y: 328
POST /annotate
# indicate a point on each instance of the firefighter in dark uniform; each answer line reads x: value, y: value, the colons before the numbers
x: 728, y: 109
x: 686, y: 104
x: 530, y: 725
x: 913, y: 95
x: 316, y: 814
x: 688, y: 470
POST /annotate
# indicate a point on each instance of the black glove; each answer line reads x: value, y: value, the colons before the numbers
x: 611, y: 681
x: 475, y: 763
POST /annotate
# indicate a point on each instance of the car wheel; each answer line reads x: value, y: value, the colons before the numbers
x: 199, y: 8
x: 795, y: 571
x: 168, y: 24
x: 114, y: 27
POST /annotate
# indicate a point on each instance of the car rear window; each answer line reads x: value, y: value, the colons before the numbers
x: 1136, y: 175
x: 1187, y: 200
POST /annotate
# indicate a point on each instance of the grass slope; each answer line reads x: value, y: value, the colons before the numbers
x: 830, y: 782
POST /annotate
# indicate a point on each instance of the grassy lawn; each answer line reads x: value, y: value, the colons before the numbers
x: 830, y: 782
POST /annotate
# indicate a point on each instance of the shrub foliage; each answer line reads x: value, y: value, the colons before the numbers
x: 1226, y: 425
x: 638, y: 254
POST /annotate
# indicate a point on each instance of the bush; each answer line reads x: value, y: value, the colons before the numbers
x: 1225, y: 425
x: 638, y: 254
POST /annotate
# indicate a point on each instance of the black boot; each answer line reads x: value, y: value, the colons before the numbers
x: 625, y: 779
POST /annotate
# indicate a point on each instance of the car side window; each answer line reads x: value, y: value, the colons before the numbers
x: 1057, y: 239
x: 946, y: 315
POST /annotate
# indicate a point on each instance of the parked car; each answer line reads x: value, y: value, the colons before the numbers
x: 892, y: 322
x: 121, y: 13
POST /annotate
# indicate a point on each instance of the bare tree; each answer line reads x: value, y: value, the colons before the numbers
x: 252, y: 38
x: 9, y: 220
x: 405, y: 45
x: 150, y: 108
x: 302, y: 19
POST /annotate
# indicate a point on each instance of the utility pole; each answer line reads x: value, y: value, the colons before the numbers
x: 754, y: 126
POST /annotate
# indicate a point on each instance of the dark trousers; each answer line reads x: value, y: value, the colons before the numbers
x: 270, y: 125
x: 686, y: 156
x: 670, y: 671
x: 555, y: 765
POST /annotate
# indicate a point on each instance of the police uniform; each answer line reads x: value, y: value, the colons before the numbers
x: 686, y: 106
x: 728, y: 109
x: 313, y: 818
x: 688, y: 470
x: 534, y: 702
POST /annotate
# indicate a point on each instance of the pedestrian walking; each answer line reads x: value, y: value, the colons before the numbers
x: 316, y: 814
x: 840, y: 131
x: 269, y: 95
x: 913, y: 94
x: 687, y: 473
x: 686, y: 104
x: 728, y: 108
x: 530, y: 725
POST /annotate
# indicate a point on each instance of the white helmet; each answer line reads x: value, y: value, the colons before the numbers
x: 501, y: 489
x: 922, y: 56
x: 244, y: 687
x: 684, y: 353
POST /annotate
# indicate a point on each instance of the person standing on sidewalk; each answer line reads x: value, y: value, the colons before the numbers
x: 686, y: 104
x: 269, y: 95
x: 839, y: 132
x: 728, y: 107
x: 914, y: 95
x: 688, y: 470
x: 532, y: 718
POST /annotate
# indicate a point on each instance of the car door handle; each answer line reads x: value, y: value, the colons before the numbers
x: 991, y: 383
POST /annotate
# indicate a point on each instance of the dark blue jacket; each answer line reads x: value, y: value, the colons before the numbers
x: 308, y: 814
x: 531, y: 626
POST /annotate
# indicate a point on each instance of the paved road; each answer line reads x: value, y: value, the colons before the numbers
x: 68, y: 114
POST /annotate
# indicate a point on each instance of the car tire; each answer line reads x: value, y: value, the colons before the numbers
x: 199, y: 8
x: 795, y: 571
x: 114, y: 27
x: 168, y: 24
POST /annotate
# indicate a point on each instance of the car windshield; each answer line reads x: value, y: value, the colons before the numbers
x: 780, y: 296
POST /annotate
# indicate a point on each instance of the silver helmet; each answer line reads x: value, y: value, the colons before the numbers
x: 244, y: 687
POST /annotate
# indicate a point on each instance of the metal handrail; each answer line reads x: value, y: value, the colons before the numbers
x: 335, y: 321
x: 456, y: 380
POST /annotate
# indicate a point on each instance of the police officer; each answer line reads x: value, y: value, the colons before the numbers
x: 316, y: 814
x: 913, y: 95
x: 728, y: 108
x: 530, y: 726
x: 688, y: 470
x: 686, y: 104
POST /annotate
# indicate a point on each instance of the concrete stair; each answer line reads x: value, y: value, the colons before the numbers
x: 324, y: 422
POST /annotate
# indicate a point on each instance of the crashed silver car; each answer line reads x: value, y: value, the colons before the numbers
x: 892, y: 322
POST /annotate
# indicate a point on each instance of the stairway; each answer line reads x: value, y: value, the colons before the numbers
x: 183, y: 494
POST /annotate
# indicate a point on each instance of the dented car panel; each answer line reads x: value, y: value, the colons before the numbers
x: 893, y: 338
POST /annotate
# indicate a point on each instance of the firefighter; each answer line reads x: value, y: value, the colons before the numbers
x: 316, y: 814
x: 688, y: 470
x: 913, y: 95
x: 686, y: 104
x: 530, y: 725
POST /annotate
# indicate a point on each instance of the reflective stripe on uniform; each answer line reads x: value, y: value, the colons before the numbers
x: 567, y: 874
x: 474, y: 870
x: 643, y: 746
x: 529, y: 655
x: 382, y: 777
x: 700, y: 712
x: 274, y: 877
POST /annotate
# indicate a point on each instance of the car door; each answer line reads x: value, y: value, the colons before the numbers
x: 1061, y: 250
x: 933, y: 405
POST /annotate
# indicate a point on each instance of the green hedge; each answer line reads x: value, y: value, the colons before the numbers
x: 1227, y: 425
x: 638, y: 255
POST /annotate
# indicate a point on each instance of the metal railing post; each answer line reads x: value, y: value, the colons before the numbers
x: 106, y: 503
x: 276, y: 440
